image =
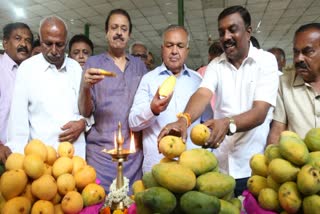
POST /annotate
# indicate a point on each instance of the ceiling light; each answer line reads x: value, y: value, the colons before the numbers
x: 19, y: 12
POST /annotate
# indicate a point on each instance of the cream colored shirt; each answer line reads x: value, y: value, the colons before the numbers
x: 298, y: 105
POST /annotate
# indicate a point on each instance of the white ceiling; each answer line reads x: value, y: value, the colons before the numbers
x: 279, y: 20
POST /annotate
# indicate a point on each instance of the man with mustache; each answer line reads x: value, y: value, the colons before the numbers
x: 44, y: 105
x: 109, y: 99
x: 17, y: 43
x: 245, y: 81
x: 298, y: 95
x: 149, y: 111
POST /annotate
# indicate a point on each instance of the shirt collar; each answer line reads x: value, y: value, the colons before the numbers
x: 48, y: 65
x: 298, y: 81
x: 164, y: 70
x: 11, y: 64
x: 253, y: 52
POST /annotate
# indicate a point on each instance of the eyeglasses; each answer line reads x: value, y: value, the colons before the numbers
x: 142, y: 56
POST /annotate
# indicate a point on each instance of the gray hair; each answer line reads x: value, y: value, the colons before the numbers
x: 137, y: 43
x: 175, y: 27
x: 50, y: 19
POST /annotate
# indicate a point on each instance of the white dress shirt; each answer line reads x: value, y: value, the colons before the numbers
x: 44, y: 99
x: 236, y: 89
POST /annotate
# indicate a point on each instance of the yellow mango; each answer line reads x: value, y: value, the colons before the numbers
x: 167, y: 86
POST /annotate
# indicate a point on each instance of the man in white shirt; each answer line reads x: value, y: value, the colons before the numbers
x: 44, y: 104
x: 245, y: 81
x: 149, y: 112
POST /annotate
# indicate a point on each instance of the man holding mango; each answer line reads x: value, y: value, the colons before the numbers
x: 155, y: 106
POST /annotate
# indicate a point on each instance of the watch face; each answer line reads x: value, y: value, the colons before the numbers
x: 232, y: 128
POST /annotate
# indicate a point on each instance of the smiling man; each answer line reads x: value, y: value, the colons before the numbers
x: 245, y: 82
x: 298, y: 95
x: 17, y: 43
x: 109, y: 99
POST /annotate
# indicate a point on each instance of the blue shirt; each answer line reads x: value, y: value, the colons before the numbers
x: 142, y: 118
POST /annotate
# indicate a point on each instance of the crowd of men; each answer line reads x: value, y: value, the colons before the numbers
x: 241, y: 95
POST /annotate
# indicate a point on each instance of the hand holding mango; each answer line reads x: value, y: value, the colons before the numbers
x: 200, y: 134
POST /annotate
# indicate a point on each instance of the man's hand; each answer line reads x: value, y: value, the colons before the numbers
x: 72, y: 130
x: 178, y: 128
x: 4, y: 152
x: 159, y: 104
x: 219, y: 129
x: 91, y: 77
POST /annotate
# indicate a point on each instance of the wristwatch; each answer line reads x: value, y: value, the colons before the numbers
x: 232, y: 127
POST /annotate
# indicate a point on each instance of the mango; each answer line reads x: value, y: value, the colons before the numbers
x: 21, y: 205
x: 200, y: 134
x: 13, y: 183
x: 311, y: 204
x: 174, y: 177
x: 198, y: 160
x: 282, y: 170
x: 268, y: 199
x: 138, y: 186
x: 256, y: 183
x: 141, y: 207
x: 216, y: 184
x: 194, y: 202
x: 271, y: 183
x: 271, y: 152
x: 93, y: 194
x: 314, y: 159
x: 159, y: 200
x: 167, y: 87
x: 293, y: 149
x: 107, y: 73
x: 171, y: 146
x: 228, y: 208
x: 289, y: 197
x: 236, y: 202
x: 308, y: 180
x: 312, y: 139
x: 149, y: 181
x: 258, y: 165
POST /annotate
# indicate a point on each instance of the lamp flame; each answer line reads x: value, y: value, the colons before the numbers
x: 132, y: 143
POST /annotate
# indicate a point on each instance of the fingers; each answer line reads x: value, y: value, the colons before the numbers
x: 92, y: 76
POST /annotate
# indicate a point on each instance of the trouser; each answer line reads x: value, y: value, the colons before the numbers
x: 241, y: 185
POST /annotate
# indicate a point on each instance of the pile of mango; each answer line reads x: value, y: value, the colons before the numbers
x: 185, y: 182
x: 286, y: 178
x: 45, y: 180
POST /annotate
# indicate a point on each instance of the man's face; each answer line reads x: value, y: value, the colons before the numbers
x: 53, y: 42
x: 306, y: 53
x: 118, y: 32
x: 140, y: 51
x: 175, y: 49
x: 234, y: 37
x: 18, y: 46
x: 80, y: 51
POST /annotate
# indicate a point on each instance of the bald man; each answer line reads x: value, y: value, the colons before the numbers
x: 44, y: 104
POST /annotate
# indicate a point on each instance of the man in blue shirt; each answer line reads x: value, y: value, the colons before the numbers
x: 150, y: 112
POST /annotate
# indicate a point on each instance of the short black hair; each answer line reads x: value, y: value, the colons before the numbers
x: 80, y: 38
x: 36, y: 43
x: 255, y: 42
x: 121, y: 12
x: 280, y: 50
x: 305, y: 27
x: 244, y: 13
x: 7, y: 30
x: 215, y: 49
